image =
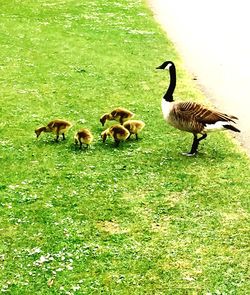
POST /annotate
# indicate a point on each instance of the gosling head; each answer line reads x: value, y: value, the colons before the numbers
x: 38, y: 131
x: 104, y: 118
x: 104, y: 135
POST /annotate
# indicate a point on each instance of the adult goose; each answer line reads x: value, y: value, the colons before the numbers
x: 190, y: 116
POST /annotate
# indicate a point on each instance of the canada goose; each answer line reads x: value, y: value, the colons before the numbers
x: 190, y: 116
x: 56, y: 126
x: 134, y: 127
x: 83, y: 136
x: 119, y: 114
x: 118, y: 132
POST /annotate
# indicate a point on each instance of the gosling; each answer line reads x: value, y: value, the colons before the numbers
x: 83, y: 136
x: 119, y: 114
x: 134, y: 127
x: 117, y: 132
x: 57, y: 126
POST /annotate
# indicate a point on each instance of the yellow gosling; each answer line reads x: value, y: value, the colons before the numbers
x: 83, y: 136
x: 57, y: 126
x: 117, y: 132
x: 134, y: 127
x: 119, y: 114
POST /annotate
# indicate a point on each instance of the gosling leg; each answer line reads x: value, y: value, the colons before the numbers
x: 117, y: 142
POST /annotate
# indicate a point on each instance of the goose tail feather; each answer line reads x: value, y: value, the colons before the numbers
x: 230, y: 127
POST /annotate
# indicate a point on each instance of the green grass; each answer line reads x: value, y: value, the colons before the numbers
x: 138, y: 219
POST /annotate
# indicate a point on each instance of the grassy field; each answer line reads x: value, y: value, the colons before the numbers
x: 138, y: 219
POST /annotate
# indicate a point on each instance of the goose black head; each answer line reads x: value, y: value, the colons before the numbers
x: 166, y: 65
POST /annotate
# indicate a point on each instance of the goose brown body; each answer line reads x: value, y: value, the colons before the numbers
x: 134, y: 127
x: 195, y: 118
x: 190, y: 116
x: 117, y: 132
x: 57, y: 126
x: 119, y: 114
x: 83, y: 136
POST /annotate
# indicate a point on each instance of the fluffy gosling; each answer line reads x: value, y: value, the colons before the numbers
x: 134, y: 127
x: 57, y: 126
x: 119, y: 114
x: 117, y: 132
x: 83, y: 136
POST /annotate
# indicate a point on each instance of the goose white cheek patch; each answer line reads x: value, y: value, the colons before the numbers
x: 168, y: 66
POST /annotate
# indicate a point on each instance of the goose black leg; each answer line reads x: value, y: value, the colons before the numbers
x: 63, y: 136
x: 202, y: 137
x: 195, y: 145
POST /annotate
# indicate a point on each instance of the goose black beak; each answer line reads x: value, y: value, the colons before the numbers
x: 165, y: 66
x: 161, y: 67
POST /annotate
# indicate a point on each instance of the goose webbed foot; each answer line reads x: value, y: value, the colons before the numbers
x: 189, y: 154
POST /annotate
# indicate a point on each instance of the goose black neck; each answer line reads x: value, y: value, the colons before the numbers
x: 168, y: 96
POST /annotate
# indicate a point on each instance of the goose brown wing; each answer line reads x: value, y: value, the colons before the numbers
x: 201, y: 114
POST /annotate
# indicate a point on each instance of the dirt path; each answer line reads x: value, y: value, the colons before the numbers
x: 213, y: 40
